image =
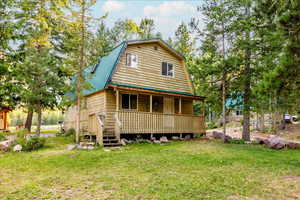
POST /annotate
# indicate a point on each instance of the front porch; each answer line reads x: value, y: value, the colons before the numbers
x: 134, y: 122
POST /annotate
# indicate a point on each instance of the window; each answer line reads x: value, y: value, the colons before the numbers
x: 167, y: 69
x: 129, y: 101
x: 131, y: 60
x: 239, y: 112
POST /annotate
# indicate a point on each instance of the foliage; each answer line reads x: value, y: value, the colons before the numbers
x: 69, y: 132
x: 31, y: 143
x: 2, y: 136
x: 212, y: 125
x: 237, y: 141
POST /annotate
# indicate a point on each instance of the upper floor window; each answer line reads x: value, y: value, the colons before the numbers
x: 167, y: 69
x: 131, y: 60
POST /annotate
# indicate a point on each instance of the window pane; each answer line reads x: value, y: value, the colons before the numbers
x: 128, y: 59
x: 170, y: 69
x: 134, y: 60
x: 164, y: 69
x: 133, y: 101
x: 125, y: 101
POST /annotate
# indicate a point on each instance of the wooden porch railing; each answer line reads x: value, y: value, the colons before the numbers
x: 146, y: 122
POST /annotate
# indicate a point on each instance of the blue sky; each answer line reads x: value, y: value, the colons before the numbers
x: 167, y: 14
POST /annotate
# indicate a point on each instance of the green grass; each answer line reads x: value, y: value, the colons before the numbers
x: 179, y: 170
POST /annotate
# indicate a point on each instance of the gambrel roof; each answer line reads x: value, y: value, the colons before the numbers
x: 99, y: 76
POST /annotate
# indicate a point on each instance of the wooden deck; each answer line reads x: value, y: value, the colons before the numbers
x: 133, y: 122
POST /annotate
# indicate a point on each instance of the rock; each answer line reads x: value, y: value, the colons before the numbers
x: 115, y: 148
x: 187, y: 137
x: 247, y: 142
x: 17, y: 148
x: 156, y: 141
x: 293, y: 145
x: 163, y: 139
x: 71, y: 146
x: 275, y: 143
x: 107, y: 150
x: 175, y: 138
x: 90, y: 147
x: 124, y: 142
x: 260, y: 140
x: 5, y: 145
x: 152, y: 138
x: 217, y: 135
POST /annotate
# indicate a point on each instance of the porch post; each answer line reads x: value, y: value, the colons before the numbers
x: 117, y: 100
x: 151, y: 103
x: 179, y: 105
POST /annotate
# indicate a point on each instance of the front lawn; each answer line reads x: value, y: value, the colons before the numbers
x: 178, y: 170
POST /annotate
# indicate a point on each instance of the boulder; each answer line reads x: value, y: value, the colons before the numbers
x: 175, y: 138
x: 260, y: 140
x: 275, y: 143
x: 5, y: 145
x: 293, y: 145
x: 247, y: 142
x: 163, y: 139
x: 217, y: 135
x: 156, y: 141
x: 123, y: 142
x: 71, y: 146
x: 107, y: 150
x: 17, y: 148
x: 187, y: 137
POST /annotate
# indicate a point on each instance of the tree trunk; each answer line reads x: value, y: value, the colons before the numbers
x: 28, y: 122
x: 81, y: 66
x: 247, y: 86
x: 224, y: 106
x: 39, y: 112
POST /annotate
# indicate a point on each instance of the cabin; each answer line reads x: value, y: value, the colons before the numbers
x: 142, y: 87
x: 4, y: 119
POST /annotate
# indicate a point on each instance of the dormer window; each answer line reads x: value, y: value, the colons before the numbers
x: 131, y: 60
x: 167, y: 69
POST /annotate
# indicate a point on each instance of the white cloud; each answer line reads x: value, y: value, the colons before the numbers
x: 112, y: 6
x: 169, y: 14
x: 170, y: 8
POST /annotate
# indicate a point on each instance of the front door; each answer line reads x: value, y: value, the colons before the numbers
x: 168, y: 111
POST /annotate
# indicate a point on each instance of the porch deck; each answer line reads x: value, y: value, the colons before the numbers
x: 133, y: 122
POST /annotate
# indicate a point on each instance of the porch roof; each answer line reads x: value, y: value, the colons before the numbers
x: 154, y: 90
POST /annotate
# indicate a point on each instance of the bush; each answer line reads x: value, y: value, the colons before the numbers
x: 70, y: 132
x: 2, y: 136
x: 212, y: 125
x: 237, y: 141
x: 32, y: 143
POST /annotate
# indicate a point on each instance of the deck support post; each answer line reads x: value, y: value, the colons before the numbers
x: 179, y: 105
x: 151, y: 103
x: 180, y: 136
x: 117, y: 100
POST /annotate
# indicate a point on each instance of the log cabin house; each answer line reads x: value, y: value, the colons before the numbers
x: 4, y: 119
x: 142, y: 87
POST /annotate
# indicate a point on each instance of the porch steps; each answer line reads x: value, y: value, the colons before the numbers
x: 110, y: 139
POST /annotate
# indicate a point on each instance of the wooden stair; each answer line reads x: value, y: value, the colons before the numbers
x: 110, y: 139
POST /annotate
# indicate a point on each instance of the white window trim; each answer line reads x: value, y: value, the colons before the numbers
x: 137, y: 60
x: 173, y: 76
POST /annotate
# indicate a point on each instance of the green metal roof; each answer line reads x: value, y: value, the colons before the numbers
x: 100, y: 76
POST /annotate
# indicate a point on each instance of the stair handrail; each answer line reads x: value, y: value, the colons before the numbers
x: 118, y: 126
x: 99, y: 117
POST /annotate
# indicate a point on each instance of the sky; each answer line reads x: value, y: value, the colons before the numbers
x: 167, y: 14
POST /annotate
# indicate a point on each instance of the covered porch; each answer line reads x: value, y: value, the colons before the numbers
x: 141, y: 111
